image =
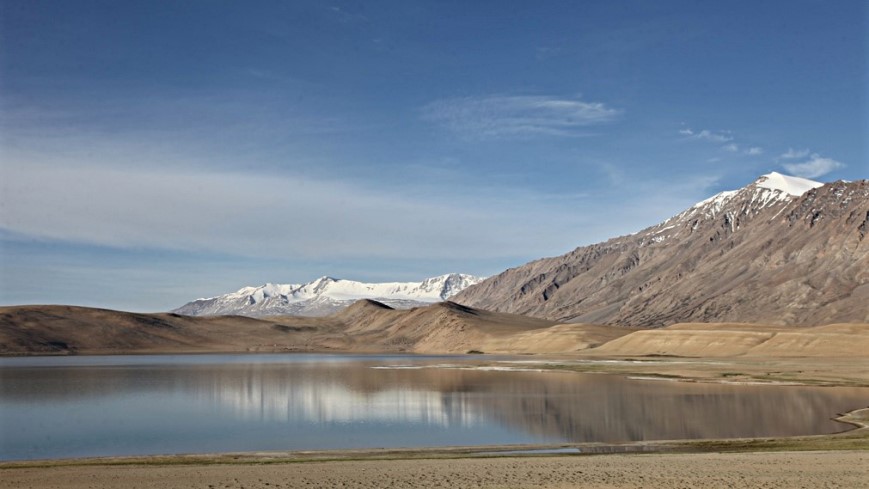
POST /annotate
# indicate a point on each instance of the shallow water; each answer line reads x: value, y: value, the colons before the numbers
x: 56, y: 407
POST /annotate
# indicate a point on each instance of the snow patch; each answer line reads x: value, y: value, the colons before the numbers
x: 794, y: 186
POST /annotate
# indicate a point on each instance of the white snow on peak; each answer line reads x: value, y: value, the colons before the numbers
x: 768, y: 190
x: 795, y: 186
x: 326, y: 294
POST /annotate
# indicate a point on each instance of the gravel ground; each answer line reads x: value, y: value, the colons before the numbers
x: 834, y: 469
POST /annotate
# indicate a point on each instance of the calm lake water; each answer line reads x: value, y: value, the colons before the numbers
x: 56, y: 407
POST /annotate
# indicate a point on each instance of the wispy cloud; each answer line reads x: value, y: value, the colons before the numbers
x: 707, y: 135
x: 502, y: 116
x: 815, y: 166
x: 793, y: 154
x: 257, y: 215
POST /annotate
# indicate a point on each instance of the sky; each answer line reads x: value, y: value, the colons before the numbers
x: 155, y: 152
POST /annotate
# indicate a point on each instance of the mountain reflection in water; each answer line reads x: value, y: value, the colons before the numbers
x: 571, y: 407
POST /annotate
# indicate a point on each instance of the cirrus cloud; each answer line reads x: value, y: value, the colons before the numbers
x: 524, y: 116
x: 707, y: 135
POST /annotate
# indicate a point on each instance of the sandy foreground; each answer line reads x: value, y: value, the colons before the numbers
x: 845, y: 469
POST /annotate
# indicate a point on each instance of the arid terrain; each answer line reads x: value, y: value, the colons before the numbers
x: 369, y: 326
x: 786, y: 470
x: 366, y: 326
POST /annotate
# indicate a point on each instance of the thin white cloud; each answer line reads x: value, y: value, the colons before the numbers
x: 814, y: 167
x: 501, y: 116
x: 732, y: 147
x: 713, y: 137
x: 304, y: 218
x: 754, y: 151
x: 707, y: 135
x: 793, y: 154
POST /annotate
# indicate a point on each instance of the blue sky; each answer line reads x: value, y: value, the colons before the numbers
x: 155, y: 152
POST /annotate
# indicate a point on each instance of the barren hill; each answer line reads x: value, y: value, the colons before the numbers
x: 777, y: 251
x: 47, y: 330
x: 448, y: 327
x: 365, y: 326
x: 369, y: 326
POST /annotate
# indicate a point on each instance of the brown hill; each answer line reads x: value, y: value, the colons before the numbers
x: 448, y: 327
x: 755, y: 255
x: 365, y: 326
x: 368, y: 326
x: 68, y: 329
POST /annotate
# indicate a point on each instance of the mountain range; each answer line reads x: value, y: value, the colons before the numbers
x: 782, y: 250
x: 326, y: 295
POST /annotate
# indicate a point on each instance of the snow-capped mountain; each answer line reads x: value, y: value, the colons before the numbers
x: 326, y: 295
x: 783, y: 250
x: 770, y: 190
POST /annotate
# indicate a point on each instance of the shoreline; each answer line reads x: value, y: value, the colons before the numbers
x: 771, y: 371
x: 853, y: 439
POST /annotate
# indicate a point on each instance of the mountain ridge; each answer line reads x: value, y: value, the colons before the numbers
x: 326, y: 295
x: 781, y: 250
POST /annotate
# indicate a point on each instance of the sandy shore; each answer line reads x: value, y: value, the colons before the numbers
x: 843, y: 469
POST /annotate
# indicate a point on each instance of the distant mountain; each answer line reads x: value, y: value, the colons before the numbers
x: 782, y: 250
x: 326, y: 295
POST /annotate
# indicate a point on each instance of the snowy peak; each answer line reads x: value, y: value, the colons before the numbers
x: 732, y: 208
x: 777, y: 251
x: 326, y: 295
x: 769, y: 189
x: 446, y: 286
x: 794, y: 186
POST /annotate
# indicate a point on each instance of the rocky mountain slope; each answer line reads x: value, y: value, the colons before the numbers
x: 326, y: 295
x: 782, y: 250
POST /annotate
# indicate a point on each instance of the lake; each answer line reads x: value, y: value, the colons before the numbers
x: 58, y: 407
